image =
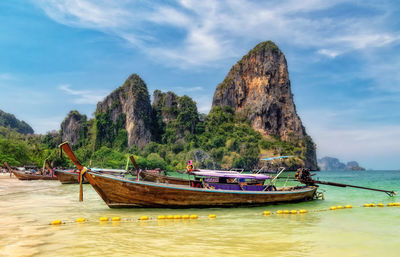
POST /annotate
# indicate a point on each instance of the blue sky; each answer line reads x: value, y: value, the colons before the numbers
x: 343, y: 58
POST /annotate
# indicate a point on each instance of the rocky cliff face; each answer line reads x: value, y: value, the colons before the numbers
x: 353, y: 165
x: 166, y: 105
x: 176, y: 113
x: 125, y: 115
x: 74, y: 128
x: 258, y: 87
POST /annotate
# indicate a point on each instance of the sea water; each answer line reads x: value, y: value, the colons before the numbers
x: 28, y: 207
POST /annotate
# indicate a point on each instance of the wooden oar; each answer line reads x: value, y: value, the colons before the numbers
x: 67, y: 149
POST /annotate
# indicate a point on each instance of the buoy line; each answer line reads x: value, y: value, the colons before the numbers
x: 103, y: 219
x: 186, y: 217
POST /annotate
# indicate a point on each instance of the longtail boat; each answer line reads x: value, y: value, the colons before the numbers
x: 120, y: 192
x: 68, y: 176
x: 28, y: 175
x: 72, y: 176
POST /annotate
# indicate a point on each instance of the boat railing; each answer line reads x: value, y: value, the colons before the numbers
x: 273, y: 180
x: 240, y: 170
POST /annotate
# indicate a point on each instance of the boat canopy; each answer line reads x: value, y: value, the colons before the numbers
x: 276, y: 157
x: 230, y: 175
x: 108, y: 170
x: 220, y: 171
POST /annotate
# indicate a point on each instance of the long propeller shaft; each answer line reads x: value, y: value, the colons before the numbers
x: 391, y: 193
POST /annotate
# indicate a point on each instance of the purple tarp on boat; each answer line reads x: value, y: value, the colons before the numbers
x: 236, y: 187
x: 231, y: 175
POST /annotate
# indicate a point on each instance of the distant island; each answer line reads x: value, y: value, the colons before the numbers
x: 330, y: 163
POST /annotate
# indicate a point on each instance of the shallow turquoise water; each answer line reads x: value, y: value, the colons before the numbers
x: 27, y: 208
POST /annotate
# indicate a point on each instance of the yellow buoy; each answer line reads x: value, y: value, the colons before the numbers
x: 333, y: 208
x: 367, y: 205
x: 303, y: 211
x: 144, y: 218
x: 80, y: 220
x: 279, y: 212
x: 348, y: 206
x: 293, y: 211
x: 116, y: 219
x: 380, y: 205
x: 177, y: 217
x: 56, y: 222
x: 390, y: 204
x: 103, y: 219
x: 185, y: 217
x: 170, y: 217
x: 193, y: 216
x: 212, y: 216
x: 286, y: 212
x: 372, y: 205
x: 267, y: 213
x: 396, y: 204
x: 339, y: 207
x: 161, y: 217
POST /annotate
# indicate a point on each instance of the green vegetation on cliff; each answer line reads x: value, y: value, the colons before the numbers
x: 19, y: 149
x: 222, y: 139
x: 9, y: 121
x: 225, y: 138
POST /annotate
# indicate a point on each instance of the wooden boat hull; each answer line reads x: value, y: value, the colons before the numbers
x: 66, y: 177
x: 118, y: 193
x: 26, y: 176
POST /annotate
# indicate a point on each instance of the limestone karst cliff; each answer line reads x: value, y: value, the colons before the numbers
x: 74, y: 128
x: 172, y: 111
x: 258, y: 87
x: 253, y: 116
x: 125, y: 116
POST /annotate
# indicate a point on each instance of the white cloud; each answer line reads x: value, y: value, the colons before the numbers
x: 92, y: 14
x: 211, y: 29
x: 84, y: 96
x: 329, y: 53
x: 360, y: 41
